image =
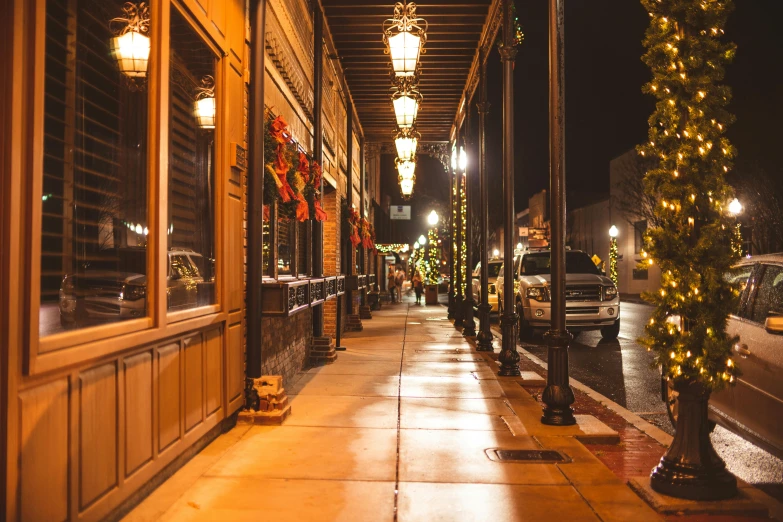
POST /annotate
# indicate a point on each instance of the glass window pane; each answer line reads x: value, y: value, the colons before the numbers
x: 303, y: 249
x: 192, y: 117
x: 94, y: 227
x: 769, y: 298
x: 285, y: 245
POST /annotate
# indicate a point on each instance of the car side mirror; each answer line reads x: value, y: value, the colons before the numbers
x: 774, y: 323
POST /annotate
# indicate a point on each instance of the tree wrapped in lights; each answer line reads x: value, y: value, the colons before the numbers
x: 692, y: 242
x: 433, y: 258
x: 613, y: 256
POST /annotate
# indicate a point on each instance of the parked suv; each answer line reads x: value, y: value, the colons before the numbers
x: 753, y: 407
x: 592, y: 300
x: 95, y: 294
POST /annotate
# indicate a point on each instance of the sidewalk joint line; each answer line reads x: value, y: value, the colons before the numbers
x: 399, y: 413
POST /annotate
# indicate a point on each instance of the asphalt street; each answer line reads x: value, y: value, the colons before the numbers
x: 623, y: 371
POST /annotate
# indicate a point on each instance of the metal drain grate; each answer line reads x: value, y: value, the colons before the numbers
x: 528, y: 456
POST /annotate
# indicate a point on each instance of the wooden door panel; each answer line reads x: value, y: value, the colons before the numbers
x: 97, y: 433
x: 194, y: 380
x: 44, y: 451
x: 235, y: 362
x: 169, y: 400
x: 138, y: 411
x: 214, y: 351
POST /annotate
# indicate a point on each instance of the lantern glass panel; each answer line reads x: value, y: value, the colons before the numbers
x: 406, y: 147
x: 132, y: 52
x: 404, y: 49
x: 405, y: 109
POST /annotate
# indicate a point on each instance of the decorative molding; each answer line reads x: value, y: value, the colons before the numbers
x: 283, y: 56
x: 437, y: 150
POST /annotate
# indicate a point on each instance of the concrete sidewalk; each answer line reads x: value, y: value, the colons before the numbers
x: 401, y: 427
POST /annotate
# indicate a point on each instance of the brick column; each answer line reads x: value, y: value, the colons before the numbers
x: 331, y: 256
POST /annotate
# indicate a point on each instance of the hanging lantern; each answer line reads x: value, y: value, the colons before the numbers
x: 406, y: 187
x: 131, y: 47
x: 406, y: 142
x: 406, y: 169
x: 204, y: 108
x: 404, y: 36
x: 406, y: 107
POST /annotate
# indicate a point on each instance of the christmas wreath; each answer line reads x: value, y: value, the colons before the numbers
x: 290, y: 179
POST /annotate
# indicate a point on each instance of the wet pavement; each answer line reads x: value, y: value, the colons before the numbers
x: 623, y: 371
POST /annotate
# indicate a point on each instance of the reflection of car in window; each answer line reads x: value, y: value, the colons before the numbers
x: 113, y: 286
x: 753, y: 407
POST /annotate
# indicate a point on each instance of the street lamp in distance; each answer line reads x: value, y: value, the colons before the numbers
x: 495, y: 253
x: 519, y: 246
x: 735, y: 207
x: 613, y: 254
x: 432, y: 219
x: 422, y: 240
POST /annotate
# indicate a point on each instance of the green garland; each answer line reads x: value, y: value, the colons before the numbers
x: 687, y: 141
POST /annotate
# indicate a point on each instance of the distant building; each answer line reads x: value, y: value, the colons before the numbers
x: 632, y: 278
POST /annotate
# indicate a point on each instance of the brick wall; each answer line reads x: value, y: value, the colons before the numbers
x: 286, y: 345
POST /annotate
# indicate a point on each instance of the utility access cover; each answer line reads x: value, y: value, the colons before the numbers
x: 527, y: 456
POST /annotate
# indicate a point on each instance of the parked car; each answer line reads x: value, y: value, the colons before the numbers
x: 753, y: 407
x: 492, y: 293
x: 592, y: 300
x: 95, y: 294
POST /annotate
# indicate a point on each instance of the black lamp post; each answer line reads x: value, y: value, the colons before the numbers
x: 484, y: 338
x: 558, y: 395
x: 509, y: 357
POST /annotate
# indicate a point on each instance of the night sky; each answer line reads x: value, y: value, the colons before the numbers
x: 606, y: 112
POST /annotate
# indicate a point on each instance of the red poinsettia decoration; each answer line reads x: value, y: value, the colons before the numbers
x: 320, y: 214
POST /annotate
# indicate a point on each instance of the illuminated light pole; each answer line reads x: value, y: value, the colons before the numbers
x: 459, y: 236
x: 468, y: 323
x: 613, y: 232
x: 735, y: 209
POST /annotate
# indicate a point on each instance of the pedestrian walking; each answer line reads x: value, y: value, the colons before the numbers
x: 391, y: 284
x: 399, y: 278
x: 418, y: 286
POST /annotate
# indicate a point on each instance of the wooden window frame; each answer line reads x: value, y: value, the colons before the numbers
x: 56, y: 351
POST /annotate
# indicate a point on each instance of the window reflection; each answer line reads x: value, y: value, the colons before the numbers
x: 285, y: 245
x: 94, y: 227
x: 191, y: 256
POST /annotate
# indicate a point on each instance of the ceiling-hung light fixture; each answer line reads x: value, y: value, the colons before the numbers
x: 404, y: 36
x: 406, y: 188
x: 204, y: 109
x: 406, y: 169
x: 406, y: 106
x: 131, y: 45
x: 406, y: 142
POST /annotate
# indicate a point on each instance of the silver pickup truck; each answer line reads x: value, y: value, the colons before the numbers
x: 592, y: 300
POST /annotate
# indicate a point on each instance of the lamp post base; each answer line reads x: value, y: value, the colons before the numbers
x: 459, y: 312
x: 468, y: 323
x: 484, y: 337
x: 558, y: 395
x: 509, y: 356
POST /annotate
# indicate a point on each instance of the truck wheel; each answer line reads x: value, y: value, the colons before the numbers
x: 612, y: 331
